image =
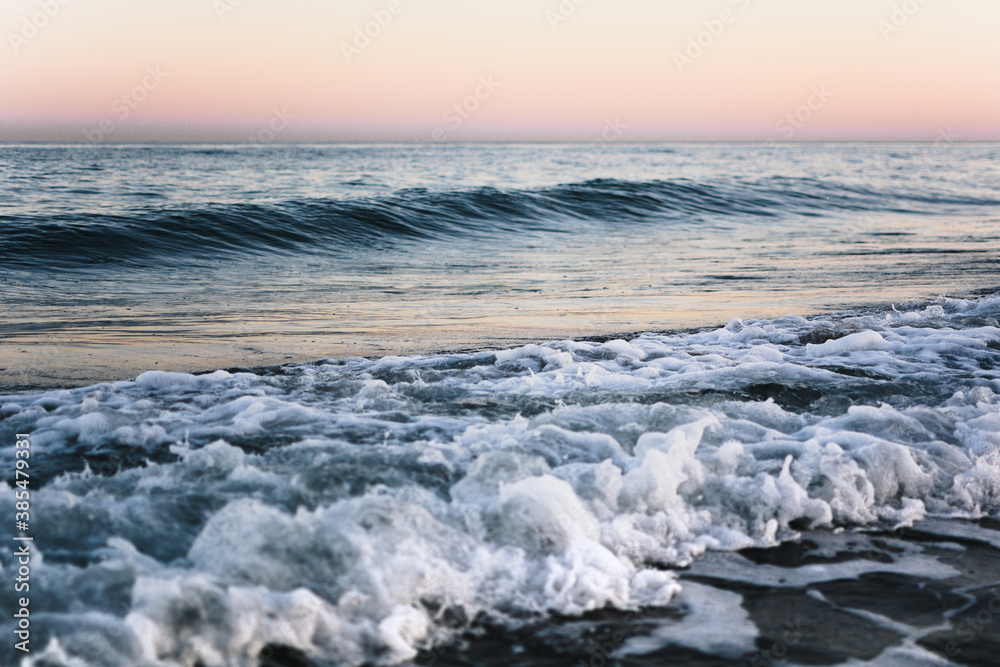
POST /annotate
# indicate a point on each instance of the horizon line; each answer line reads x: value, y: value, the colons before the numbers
x: 347, y: 142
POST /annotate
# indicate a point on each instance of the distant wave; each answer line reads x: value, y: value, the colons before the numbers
x: 328, y: 225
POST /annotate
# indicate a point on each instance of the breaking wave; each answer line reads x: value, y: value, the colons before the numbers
x: 358, y: 511
x: 330, y: 226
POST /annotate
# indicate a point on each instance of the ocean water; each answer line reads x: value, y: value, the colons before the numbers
x: 816, y: 482
x: 118, y: 259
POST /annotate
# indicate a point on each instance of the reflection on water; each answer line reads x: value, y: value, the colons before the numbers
x: 594, y: 274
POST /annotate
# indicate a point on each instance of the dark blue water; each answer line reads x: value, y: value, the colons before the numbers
x: 330, y: 226
x: 76, y: 207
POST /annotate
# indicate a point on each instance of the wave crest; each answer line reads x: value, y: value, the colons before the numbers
x: 330, y: 225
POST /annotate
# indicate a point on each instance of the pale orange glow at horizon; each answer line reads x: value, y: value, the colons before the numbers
x: 230, y: 65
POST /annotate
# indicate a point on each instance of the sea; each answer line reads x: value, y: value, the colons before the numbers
x: 609, y: 405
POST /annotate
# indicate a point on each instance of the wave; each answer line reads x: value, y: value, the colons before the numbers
x: 333, y: 225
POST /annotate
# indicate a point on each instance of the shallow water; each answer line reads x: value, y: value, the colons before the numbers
x: 118, y: 259
x: 513, y: 507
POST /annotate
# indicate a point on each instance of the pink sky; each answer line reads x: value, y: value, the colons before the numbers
x: 232, y: 70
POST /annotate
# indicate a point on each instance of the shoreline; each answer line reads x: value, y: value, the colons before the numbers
x: 868, y: 606
x: 82, y: 364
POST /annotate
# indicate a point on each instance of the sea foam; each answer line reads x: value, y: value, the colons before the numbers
x: 362, y: 510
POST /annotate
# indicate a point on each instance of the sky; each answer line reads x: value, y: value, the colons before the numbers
x: 498, y: 70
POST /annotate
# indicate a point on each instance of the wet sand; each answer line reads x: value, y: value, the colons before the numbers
x: 41, y: 350
x: 880, y: 617
x: 65, y: 353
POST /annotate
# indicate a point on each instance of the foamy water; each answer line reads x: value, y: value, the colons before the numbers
x: 360, y: 510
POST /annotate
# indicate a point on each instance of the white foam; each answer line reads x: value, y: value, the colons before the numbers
x: 360, y: 511
x: 863, y: 341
